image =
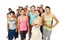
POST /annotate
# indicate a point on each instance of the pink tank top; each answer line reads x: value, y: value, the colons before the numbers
x: 23, y: 24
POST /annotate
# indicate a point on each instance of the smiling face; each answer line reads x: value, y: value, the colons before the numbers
x: 32, y: 8
x: 22, y: 12
x: 25, y: 9
x: 11, y: 14
x: 47, y: 10
x: 37, y: 12
x: 9, y: 9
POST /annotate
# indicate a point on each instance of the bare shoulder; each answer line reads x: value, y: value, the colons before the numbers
x: 52, y: 15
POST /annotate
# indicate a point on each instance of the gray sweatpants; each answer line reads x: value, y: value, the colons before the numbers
x: 47, y: 34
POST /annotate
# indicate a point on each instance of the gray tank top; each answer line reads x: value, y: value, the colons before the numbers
x: 12, y: 24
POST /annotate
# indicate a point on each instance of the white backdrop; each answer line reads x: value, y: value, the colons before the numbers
x: 5, y: 4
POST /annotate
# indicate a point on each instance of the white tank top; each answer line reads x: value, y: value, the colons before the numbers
x: 12, y: 24
x: 36, y: 21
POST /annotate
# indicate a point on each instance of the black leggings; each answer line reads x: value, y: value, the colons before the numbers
x: 30, y: 31
x: 41, y: 29
x: 23, y: 34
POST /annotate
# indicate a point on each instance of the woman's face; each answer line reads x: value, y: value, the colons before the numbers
x: 47, y: 10
x: 22, y: 12
x: 25, y: 9
x: 41, y: 10
x: 12, y: 15
x: 32, y: 8
x: 9, y: 10
x: 37, y: 13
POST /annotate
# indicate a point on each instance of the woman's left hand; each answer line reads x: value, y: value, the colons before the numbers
x: 16, y: 30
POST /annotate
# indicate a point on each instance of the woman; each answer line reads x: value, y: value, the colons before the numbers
x: 18, y: 13
x: 41, y: 14
x: 12, y: 26
x: 26, y: 11
x: 23, y: 25
x: 32, y: 16
x: 47, y: 25
x: 36, y: 34
x: 9, y: 9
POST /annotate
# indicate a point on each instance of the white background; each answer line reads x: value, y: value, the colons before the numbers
x: 5, y: 4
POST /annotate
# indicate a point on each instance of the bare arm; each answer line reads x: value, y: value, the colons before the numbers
x: 28, y: 24
x: 54, y: 17
x: 18, y: 25
x: 16, y: 14
x: 33, y: 23
x: 7, y: 24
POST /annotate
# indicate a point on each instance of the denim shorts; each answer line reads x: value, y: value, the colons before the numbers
x: 12, y: 34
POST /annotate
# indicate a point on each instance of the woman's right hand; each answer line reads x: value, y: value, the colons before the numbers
x: 50, y: 26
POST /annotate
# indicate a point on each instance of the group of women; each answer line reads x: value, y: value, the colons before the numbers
x: 38, y: 23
